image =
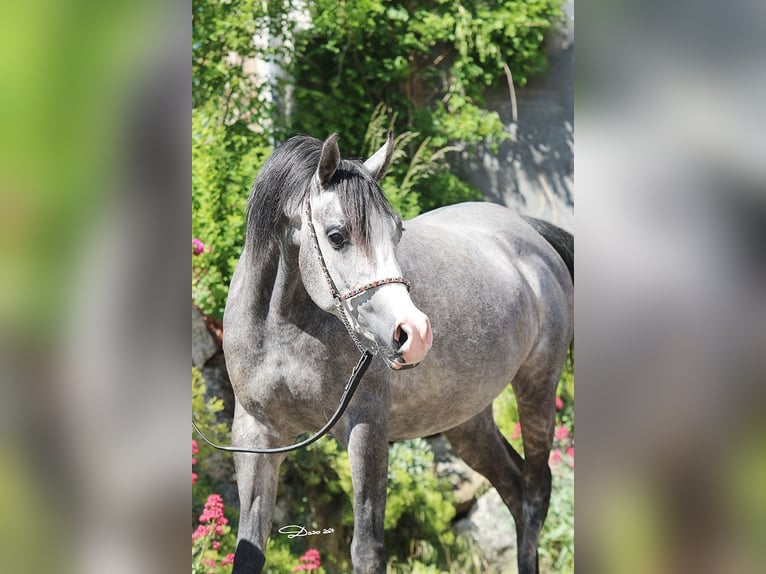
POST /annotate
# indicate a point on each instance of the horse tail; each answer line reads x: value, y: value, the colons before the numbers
x: 562, y: 241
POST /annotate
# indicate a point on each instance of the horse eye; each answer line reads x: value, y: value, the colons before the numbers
x: 336, y: 239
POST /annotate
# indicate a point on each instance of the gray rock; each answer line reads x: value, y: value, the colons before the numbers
x: 491, y: 527
x: 203, y: 344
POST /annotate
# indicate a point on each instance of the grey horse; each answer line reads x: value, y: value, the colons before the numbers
x: 491, y: 303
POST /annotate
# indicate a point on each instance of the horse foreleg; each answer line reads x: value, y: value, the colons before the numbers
x: 368, y: 454
x: 257, y: 479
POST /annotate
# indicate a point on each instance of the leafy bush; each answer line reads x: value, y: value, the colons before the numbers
x: 212, y: 538
x: 315, y: 492
x: 316, y: 489
x: 419, y: 504
x: 212, y: 469
x: 557, y: 537
x: 280, y: 559
x: 224, y: 165
x: 461, y: 555
x: 429, y: 62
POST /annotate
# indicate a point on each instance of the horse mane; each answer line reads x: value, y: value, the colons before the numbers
x: 281, y: 186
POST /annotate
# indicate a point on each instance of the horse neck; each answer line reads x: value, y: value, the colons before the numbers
x: 276, y: 280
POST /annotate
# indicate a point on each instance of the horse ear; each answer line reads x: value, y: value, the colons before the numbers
x: 328, y: 160
x: 381, y: 159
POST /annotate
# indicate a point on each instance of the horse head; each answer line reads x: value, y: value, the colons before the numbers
x: 348, y: 262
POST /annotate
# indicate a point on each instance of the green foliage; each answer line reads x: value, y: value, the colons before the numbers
x: 205, y: 411
x: 506, y: 414
x: 419, y: 505
x: 224, y: 164
x: 226, y: 149
x: 429, y: 61
x: 213, y: 468
x: 403, y: 184
x: 557, y: 538
x: 213, y: 541
x: 282, y: 559
x: 460, y: 555
x: 316, y: 485
x: 222, y: 43
x: 445, y: 188
x: 415, y: 57
x: 315, y: 488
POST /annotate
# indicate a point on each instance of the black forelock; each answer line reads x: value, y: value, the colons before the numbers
x: 284, y: 180
x: 360, y: 197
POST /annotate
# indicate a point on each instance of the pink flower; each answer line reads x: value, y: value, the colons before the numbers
x: 213, y: 511
x: 216, y: 545
x: 228, y: 559
x: 570, y: 454
x: 559, y: 403
x: 200, y: 532
x: 309, y: 561
x: 195, y: 447
x: 555, y: 457
x: 516, y: 431
x: 209, y: 562
x: 197, y: 246
x: 194, y: 477
x: 213, y: 516
x: 562, y: 432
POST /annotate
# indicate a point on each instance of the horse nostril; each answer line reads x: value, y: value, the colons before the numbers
x: 400, y: 337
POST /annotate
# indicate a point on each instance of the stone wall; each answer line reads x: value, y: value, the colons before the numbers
x: 534, y: 171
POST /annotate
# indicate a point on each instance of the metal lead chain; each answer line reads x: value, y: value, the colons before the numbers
x: 346, y: 323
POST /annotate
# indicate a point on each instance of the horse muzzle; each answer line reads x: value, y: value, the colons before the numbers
x: 412, y: 340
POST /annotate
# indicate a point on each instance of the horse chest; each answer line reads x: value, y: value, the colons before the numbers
x: 288, y: 378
